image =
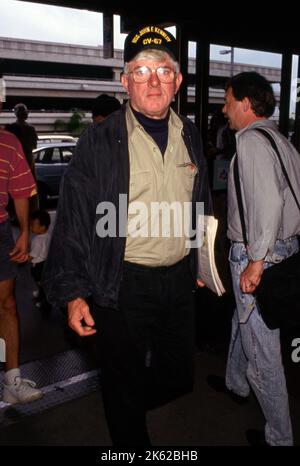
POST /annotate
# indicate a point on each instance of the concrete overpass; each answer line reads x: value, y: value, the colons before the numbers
x: 54, y: 78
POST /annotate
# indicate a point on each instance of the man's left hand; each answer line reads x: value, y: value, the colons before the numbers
x: 251, y: 276
x: 20, y: 252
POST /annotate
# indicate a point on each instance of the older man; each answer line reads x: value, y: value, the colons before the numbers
x: 142, y: 280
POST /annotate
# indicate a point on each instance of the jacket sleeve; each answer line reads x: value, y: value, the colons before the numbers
x: 67, y: 272
x: 260, y: 185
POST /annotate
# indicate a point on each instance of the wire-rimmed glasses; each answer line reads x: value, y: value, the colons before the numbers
x: 142, y: 74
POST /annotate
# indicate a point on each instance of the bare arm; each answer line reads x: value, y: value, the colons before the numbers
x: 20, y: 252
x: 80, y: 318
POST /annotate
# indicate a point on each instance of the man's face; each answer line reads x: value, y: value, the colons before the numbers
x: 233, y: 109
x: 153, y: 97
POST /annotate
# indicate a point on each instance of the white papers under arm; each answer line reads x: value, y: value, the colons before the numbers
x: 207, y: 269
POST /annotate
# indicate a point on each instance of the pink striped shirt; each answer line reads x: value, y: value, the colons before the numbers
x: 15, y: 175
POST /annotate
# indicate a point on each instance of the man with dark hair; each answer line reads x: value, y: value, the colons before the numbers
x: 271, y: 225
x: 24, y: 132
x: 103, y: 106
x: 141, y: 283
x: 28, y: 138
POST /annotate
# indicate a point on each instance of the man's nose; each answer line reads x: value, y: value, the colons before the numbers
x: 153, y: 80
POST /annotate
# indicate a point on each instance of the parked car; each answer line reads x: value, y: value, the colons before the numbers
x: 51, y: 161
x: 51, y: 138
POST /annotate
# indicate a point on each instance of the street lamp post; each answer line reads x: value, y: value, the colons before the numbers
x: 231, y: 51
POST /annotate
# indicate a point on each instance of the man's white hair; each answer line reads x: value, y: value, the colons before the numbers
x: 155, y: 55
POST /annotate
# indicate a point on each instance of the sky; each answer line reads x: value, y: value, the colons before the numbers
x: 25, y: 20
x: 49, y: 23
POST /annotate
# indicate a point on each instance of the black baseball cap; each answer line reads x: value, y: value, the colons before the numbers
x: 149, y: 37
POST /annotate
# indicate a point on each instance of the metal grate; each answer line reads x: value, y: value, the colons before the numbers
x: 63, y: 377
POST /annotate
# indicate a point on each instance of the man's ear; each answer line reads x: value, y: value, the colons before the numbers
x: 178, y: 82
x: 246, y: 104
x: 124, y: 82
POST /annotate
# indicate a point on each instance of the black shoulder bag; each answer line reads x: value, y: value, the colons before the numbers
x: 278, y: 294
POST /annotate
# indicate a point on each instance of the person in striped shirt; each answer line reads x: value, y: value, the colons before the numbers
x: 17, y: 181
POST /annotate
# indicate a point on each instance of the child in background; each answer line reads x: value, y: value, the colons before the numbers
x: 39, y: 222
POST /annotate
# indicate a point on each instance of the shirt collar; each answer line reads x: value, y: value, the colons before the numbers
x: 256, y: 124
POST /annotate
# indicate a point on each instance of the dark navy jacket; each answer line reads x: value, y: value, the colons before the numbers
x: 80, y: 263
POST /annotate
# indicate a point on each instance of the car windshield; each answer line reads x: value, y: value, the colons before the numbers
x: 54, y: 153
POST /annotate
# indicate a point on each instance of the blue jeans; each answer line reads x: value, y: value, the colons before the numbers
x: 254, y: 358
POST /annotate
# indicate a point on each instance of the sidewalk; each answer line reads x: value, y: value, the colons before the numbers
x: 202, y: 418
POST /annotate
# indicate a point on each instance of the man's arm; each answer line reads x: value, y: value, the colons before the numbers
x: 261, y: 188
x: 67, y: 272
x: 260, y: 184
x: 20, y: 252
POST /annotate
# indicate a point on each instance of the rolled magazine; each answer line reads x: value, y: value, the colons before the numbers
x: 207, y: 269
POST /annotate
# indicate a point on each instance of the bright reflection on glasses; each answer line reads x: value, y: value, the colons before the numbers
x: 142, y: 74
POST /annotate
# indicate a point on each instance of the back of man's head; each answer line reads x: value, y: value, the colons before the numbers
x: 103, y: 106
x: 21, y: 111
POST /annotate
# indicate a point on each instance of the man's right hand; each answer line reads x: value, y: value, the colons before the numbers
x: 80, y: 318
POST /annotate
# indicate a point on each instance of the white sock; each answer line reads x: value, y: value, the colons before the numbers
x: 10, y: 376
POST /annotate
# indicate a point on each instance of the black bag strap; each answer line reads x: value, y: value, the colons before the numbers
x: 238, y: 183
x: 273, y: 144
x: 239, y: 197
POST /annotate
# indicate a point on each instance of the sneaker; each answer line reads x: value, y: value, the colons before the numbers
x: 35, y: 293
x: 21, y: 391
x: 218, y: 384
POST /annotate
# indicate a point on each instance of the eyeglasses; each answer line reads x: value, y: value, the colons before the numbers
x: 142, y: 74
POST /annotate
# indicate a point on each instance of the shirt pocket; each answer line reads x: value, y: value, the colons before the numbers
x: 140, y: 186
x: 186, y: 173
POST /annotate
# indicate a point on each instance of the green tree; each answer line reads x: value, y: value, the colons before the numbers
x: 75, y: 124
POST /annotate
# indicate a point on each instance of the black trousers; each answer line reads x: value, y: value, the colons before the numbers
x: 146, y: 347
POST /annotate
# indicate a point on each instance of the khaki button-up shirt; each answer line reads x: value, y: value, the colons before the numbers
x: 156, y: 236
